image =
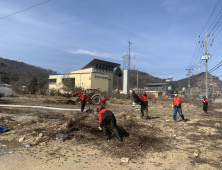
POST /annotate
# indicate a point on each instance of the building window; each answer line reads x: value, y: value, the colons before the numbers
x: 170, y: 87
x: 52, y: 81
x: 160, y: 88
x: 64, y: 80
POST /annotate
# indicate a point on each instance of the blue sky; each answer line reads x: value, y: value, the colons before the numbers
x: 65, y: 35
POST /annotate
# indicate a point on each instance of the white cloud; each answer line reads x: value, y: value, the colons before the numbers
x: 96, y: 54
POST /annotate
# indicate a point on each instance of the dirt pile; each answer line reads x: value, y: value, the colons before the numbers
x: 83, y: 129
x: 120, y: 101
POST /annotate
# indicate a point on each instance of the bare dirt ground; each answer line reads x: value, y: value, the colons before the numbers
x: 158, y: 143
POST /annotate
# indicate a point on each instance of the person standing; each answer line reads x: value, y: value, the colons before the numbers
x: 104, y: 100
x: 177, y: 106
x: 144, y: 105
x: 107, y: 118
x: 83, y: 99
x: 205, y: 104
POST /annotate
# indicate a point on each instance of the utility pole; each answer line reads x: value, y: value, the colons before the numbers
x: 137, y: 81
x: 129, y: 53
x: 189, y: 71
x: 206, y: 57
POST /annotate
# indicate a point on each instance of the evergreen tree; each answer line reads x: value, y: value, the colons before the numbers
x: 118, y: 73
x: 68, y: 86
x: 33, y: 86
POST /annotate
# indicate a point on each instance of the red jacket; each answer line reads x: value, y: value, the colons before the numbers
x: 205, y: 100
x: 104, y: 113
x: 83, y: 98
x: 144, y: 101
x: 103, y: 99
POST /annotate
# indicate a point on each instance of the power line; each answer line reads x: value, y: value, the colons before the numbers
x: 35, y: 53
x: 217, y: 48
x: 214, y: 19
x: 24, y: 9
x: 196, y: 47
x: 210, y: 16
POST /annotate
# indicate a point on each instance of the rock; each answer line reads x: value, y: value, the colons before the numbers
x: 28, y: 145
x: 195, y: 155
x: 40, y: 135
x: 61, y: 138
x: 124, y: 160
x: 42, y: 144
x: 21, y: 139
x: 217, y: 124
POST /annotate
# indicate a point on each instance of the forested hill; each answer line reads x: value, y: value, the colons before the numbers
x: 13, y: 71
x: 199, y: 80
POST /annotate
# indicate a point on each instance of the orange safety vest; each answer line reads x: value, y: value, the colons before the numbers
x: 176, y: 100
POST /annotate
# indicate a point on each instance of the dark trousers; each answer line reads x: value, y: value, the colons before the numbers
x: 104, y: 103
x: 110, y: 121
x: 205, y: 107
x: 82, y: 106
x: 179, y: 110
x: 144, y: 111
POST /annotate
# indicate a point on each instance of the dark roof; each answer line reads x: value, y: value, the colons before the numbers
x: 95, y: 62
x: 156, y: 84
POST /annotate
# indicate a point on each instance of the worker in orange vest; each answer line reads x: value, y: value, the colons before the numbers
x: 205, y: 104
x: 107, y: 118
x: 177, y: 106
x: 104, y: 100
x: 83, y: 99
x: 144, y: 105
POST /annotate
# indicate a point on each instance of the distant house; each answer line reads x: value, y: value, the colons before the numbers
x: 168, y: 88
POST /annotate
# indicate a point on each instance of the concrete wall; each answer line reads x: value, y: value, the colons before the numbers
x: 86, y: 78
x: 100, y: 81
x: 110, y: 74
x: 81, y: 80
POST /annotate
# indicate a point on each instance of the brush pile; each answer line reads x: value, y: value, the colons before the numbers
x: 136, y: 98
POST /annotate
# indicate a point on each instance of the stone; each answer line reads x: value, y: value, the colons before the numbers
x: 61, y: 138
x: 40, y: 135
x: 124, y: 160
x: 21, y: 139
x: 195, y: 155
x: 42, y: 144
x: 28, y: 145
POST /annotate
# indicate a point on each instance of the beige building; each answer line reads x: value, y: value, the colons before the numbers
x: 96, y: 74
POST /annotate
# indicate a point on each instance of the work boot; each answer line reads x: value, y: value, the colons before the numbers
x: 147, y: 118
x: 105, y: 138
x: 120, y: 139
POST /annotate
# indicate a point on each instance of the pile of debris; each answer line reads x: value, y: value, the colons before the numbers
x: 83, y: 129
x: 120, y: 101
x: 136, y: 98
